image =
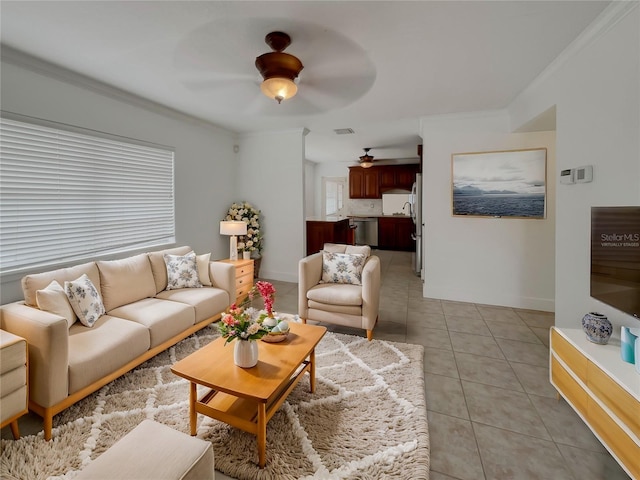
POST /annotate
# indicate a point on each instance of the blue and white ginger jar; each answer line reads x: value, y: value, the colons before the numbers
x: 597, y: 327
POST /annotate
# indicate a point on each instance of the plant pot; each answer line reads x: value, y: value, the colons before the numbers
x: 246, y: 255
x: 245, y: 353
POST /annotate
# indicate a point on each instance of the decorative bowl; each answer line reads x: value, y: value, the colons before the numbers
x: 275, y: 337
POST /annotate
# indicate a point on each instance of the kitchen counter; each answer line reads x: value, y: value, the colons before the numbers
x: 329, y: 218
x: 378, y: 216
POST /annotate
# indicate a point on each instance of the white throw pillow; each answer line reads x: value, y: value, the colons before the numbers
x: 342, y: 268
x: 85, y: 300
x: 203, y: 268
x: 182, y: 271
x: 52, y: 299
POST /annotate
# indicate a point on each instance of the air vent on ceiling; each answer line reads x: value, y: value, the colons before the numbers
x: 344, y: 131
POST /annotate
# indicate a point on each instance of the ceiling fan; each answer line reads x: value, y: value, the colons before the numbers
x: 278, y: 69
x: 222, y: 63
x: 366, y: 160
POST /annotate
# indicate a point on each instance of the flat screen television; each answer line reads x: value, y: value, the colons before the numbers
x: 615, y: 257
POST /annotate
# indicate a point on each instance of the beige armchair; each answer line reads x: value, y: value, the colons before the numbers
x: 339, y: 303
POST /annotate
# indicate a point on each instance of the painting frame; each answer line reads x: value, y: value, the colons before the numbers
x: 500, y: 184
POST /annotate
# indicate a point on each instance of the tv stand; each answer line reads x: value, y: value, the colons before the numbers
x: 602, y: 389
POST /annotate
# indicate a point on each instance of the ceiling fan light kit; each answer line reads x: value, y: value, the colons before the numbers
x: 366, y: 160
x: 278, y: 69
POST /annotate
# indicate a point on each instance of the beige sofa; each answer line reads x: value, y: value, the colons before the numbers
x: 142, y: 319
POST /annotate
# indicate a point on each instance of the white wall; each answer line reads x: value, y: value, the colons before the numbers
x: 597, y: 103
x: 204, y: 159
x: 271, y: 177
x: 501, y: 261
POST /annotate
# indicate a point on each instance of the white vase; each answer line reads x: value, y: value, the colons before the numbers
x: 246, y: 255
x: 245, y: 353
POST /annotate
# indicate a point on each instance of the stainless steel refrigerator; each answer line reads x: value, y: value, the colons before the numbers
x: 416, y: 216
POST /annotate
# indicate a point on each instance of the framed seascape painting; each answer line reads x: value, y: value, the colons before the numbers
x: 508, y: 183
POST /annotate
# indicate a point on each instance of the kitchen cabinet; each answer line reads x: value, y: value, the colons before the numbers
x: 364, y: 182
x: 397, y: 177
x: 394, y: 233
x: 320, y: 232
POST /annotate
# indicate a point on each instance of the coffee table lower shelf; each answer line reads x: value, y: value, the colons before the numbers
x: 250, y: 415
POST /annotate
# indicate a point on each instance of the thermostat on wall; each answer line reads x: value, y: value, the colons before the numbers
x: 583, y: 174
x: 576, y: 175
x: 566, y: 177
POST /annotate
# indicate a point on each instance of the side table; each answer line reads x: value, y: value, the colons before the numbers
x: 244, y: 277
x: 14, y: 384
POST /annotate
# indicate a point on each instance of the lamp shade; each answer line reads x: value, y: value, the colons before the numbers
x: 279, y: 88
x: 233, y: 227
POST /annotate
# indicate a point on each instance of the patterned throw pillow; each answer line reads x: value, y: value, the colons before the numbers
x: 182, y: 271
x: 342, y: 268
x: 85, y: 300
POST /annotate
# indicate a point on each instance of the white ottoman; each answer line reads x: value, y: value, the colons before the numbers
x: 155, y: 452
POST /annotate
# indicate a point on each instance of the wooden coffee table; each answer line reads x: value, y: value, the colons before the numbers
x: 247, y: 398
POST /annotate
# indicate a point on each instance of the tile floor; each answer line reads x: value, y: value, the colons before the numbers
x: 492, y: 413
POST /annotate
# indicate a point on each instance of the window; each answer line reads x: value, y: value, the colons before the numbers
x: 334, y: 195
x: 72, y: 194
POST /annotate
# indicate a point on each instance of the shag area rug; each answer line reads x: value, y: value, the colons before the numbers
x: 367, y: 419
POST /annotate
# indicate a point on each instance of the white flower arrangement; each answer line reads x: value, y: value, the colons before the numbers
x: 244, y: 211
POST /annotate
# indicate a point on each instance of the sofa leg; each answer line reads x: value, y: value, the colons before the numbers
x: 303, y: 320
x: 15, y: 430
x: 48, y: 424
x: 369, y: 335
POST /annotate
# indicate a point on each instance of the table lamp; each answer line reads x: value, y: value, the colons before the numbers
x: 233, y: 228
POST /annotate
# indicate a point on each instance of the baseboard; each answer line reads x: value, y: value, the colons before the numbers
x: 484, y: 298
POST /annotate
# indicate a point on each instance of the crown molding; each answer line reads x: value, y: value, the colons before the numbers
x: 24, y: 60
x: 607, y: 19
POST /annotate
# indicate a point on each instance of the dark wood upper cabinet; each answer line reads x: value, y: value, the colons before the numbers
x: 364, y: 182
x: 373, y: 182
x: 397, y: 177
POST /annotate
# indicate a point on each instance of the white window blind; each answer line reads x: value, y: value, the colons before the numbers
x: 66, y: 195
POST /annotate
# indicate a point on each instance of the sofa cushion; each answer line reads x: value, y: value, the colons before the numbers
x: 53, y: 300
x: 342, y: 268
x: 335, y: 247
x: 99, y: 351
x: 163, y: 318
x: 336, y: 294
x: 182, y: 271
x: 359, y: 249
x: 340, y: 309
x: 207, y: 301
x: 125, y: 281
x: 159, y: 268
x: 203, y: 268
x: 85, y: 300
x: 39, y: 281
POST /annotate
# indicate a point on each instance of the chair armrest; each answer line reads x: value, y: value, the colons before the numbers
x: 370, y: 291
x: 47, y: 335
x: 223, y: 275
x: 309, y: 274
